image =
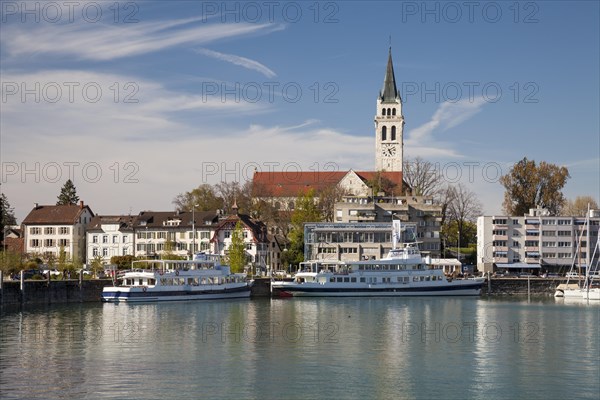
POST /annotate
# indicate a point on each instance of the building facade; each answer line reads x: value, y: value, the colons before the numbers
x: 535, y: 241
x: 419, y: 211
x: 351, y: 241
x: 109, y: 236
x: 50, y: 229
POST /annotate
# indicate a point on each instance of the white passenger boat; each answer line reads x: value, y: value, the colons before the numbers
x: 202, y: 278
x: 402, y: 273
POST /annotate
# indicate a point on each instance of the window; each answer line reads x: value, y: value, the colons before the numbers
x: 104, y: 252
x: 564, y: 233
x: 248, y: 246
x: 95, y: 251
x: 204, y: 235
x: 499, y: 221
x: 384, y: 133
x: 104, y: 238
x: 124, y: 239
x: 63, y: 230
x: 548, y: 244
x: 161, y: 235
x: 227, y: 234
x: 49, y: 243
x: 564, y: 222
x: 49, y: 231
x: 499, y: 232
x: 35, y: 231
x: 393, y: 111
x: 95, y: 239
x: 393, y: 133
x: 34, y: 243
x: 63, y: 242
x: 383, y: 112
x: 549, y: 222
x: 115, y: 239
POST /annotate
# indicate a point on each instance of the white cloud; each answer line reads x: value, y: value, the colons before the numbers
x: 101, y: 42
x: 421, y: 142
x: 241, y: 61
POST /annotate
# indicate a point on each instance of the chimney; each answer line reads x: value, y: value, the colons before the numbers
x: 36, y: 206
x: 81, y: 204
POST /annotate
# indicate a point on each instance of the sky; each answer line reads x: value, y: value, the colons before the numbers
x: 140, y: 101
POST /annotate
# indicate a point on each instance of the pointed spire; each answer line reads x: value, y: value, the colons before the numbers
x: 389, y: 92
x: 234, y: 207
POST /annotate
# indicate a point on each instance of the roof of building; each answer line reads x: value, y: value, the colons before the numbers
x: 161, y: 219
x: 389, y: 92
x: 124, y: 221
x: 296, y: 183
x: 258, y: 228
x: 56, y: 214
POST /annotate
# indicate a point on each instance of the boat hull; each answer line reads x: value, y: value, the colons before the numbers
x: 138, y: 295
x: 287, y: 289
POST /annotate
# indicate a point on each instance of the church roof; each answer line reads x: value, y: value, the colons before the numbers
x: 296, y: 183
x: 389, y: 92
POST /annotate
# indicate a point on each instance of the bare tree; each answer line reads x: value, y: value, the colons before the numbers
x: 579, y: 206
x: 327, y: 198
x: 422, y: 176
x: 464, y: 207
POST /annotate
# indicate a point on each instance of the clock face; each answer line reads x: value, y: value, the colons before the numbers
x: 389, y: 150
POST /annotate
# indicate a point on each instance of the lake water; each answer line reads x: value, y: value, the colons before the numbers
x: 400, y: 348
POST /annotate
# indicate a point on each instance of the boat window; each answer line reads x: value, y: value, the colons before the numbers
x: 331, y: 279
x: 346, y: 279
x: 151, y: 282
x: 406, y: 279
x: 415, y: 279
x: 340, y: 279
x: 427, y: 278
x: 361, y: 267
x: 353, y: 279
x: 421, y: 278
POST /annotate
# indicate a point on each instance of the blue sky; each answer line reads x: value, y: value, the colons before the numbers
x: 151, y: 101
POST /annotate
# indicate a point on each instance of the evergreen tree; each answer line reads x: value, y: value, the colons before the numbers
x: 68, y: 194
x: 237, y: 249
x: 7, y: 216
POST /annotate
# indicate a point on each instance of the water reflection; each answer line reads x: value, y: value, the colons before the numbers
x: 303, y: 348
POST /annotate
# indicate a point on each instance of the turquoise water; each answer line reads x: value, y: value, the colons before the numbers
x: 401, y: 348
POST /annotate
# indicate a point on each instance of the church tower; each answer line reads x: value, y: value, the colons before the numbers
x: 389, y: 124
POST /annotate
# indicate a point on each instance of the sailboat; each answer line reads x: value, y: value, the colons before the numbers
x: 589, y: 289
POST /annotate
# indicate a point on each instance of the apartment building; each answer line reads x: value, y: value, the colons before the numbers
x: 536, y: 241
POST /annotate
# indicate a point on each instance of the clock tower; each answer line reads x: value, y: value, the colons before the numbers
x: 389, y: 124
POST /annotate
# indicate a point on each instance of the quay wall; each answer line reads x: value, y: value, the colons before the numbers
x: 521, y: 286
x: 75, y: 291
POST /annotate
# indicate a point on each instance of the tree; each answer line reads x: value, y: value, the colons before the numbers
x: 579, y: 206
x: 237, y: 249
x: 328, y: 196
x: 97, y: 265
x: 529, y: 185
x: 123, y: 262
x: 306, y: 210
x: 204, y: 198
x: 7, y: 216
x: 422, y: 177
x: 459, y: 214
x: 68, y: 194
x: 380, y: 183
x: 233, y: 192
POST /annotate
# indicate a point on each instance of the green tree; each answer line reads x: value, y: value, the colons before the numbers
x: 237, y: 249
x: 97, y: 265
x: 202, y: 198
x: 306, y: 210
x: 528, y: 185
x: 68, y: 194
x: 123, y: 262
x: 10, y: 261
x: 7, y: 216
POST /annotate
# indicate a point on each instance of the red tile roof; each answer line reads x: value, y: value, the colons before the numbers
x: 55, y: 215
x: 296, y: 183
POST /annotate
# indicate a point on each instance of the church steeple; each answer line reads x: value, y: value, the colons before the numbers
x: 389, y: 124
x: 389, y: 92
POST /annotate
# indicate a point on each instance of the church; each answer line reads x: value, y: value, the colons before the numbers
x: 284, y: 187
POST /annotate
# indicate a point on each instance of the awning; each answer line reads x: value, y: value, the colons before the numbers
x: 518, y: 265
x: 532, y: 254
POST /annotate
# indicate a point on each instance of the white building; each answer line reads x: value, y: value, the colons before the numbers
x: 535, y: 241
x: 109, y: 236
x: 48, y: 229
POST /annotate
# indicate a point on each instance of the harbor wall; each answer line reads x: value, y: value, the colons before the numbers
x: 521, y: 286
x: 75, y: 291
x: 52, y: 292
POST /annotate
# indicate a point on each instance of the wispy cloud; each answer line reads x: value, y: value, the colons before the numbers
x: 102, y: 42
x: 420, y: 141
x: 241, y: 61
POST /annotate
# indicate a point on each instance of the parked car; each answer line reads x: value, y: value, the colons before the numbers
x: 28, y: 274
x: 53, y: 272
x: 572, y: 275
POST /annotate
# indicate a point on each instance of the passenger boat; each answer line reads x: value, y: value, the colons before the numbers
x: 202, y: 278
x: 402, y: 273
